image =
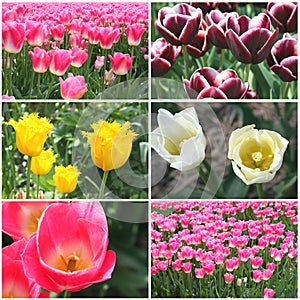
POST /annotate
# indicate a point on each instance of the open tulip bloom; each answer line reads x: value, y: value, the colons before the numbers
x: 179, y: 139
x: 256, y: 155
x: 69, y: 251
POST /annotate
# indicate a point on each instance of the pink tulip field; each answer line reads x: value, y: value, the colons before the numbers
x: 224, y: 249
x: 71, y: 50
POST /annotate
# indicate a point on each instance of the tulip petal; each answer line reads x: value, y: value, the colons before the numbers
x: 238, y: 49
x: 168, y: 35
x: 233, y: 88
x: 260, y: 21
x: 212, y: 92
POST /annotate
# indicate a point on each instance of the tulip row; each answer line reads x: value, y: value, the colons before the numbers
x: 36, y: 138
x: 212, y: 36
x: 96, y: 44
x: 224, y: 249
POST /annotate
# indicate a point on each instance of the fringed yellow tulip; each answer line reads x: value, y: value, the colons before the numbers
x: 42, y: 164
x: 31, y: 133
x: 65, y: 178
x: 111, y: 144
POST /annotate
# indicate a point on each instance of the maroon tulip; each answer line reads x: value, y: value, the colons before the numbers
x: 217, y: 27
x: 283, y: 59
x: 179, y: 24
x: 210, y: 83
x: 199, y: 45
x: 251, y: 94
x: 163, y: 55
x: 250, y: 40
x: 283, y: 15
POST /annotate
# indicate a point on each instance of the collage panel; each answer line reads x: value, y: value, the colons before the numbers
x: 75, y: 150
x: 72, y: 50
x: 223, y: 151
x: 74, y: 249
x: 224, y: 249
x: 224, y: 50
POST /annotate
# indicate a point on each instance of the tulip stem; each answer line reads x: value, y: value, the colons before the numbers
x: 103, y: 183
x: 50, y: 86
x: 221, y: 59
x: 67, y: 294
x: 87, y: 70
x: 186, y: 63
x: 260, y: 191
x: 31, y: 84
x: 38, y: 186
x: 10, y: 56
x: 39, y: 95
x: 285, y: 90
x: 28, y: 177
x: 247, y: 72
x: 203, y: 175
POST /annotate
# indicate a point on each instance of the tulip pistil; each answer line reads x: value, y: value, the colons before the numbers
x: 71, y: 263
x: 257, y: 158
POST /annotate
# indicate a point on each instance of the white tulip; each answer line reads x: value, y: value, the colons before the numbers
x: 256, y: 154
x: 179, y: 139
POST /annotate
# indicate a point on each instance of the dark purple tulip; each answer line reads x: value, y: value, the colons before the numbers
x: 199, y: 44
x: 283, y: 15
x: 283, y: 59
x: 217, y: 27
x: 250, y: 40
x: 210, y: 83
x: 163, y: 55
x: 179, y: 24
x: 251, y: 94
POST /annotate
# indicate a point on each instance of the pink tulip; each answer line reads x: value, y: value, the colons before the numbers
x: 93, y: 35
x: 154, y: 270
x: 239, y: 282
x: 69, y: 251
x: 6, y: 97
x: 73, y: 87
x: 228, y: 277
x: 108, y: 36
x: 108, y: 77
x: 20, y: 219
x: 177, y: 265
x: 58, y: 32
x: 34, y: 33
x: 15, y: 284
x: 208, y: 267
x: 187, y: 267
x: 60, y: 61
x: 13, y: 35
x: 200, y: 273
x: 267, y: 274
x: 79, y: 57
x: 121, y: 63
x: 232, y: 263
x: 163, y: 265
x: 268, y: 293
x: 244, y: 254
x: 256, y: 262
x: 40, y: 60
x: 257, y: 276
x: 134, y: 33
x: 271, y: 266
x: 99, y: 62
x: 75, y: 40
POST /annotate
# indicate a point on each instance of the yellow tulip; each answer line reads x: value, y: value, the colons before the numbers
x: 111, y: 144
x: 42, y: 164
x: 31, y: 133
x: 65, y: 178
